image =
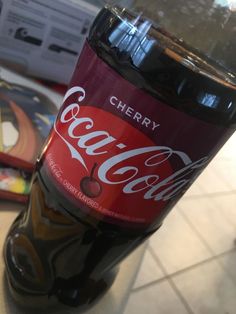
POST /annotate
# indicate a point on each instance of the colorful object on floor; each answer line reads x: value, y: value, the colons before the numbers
x: 11, y: 180
x: 14, y: 184
x: 26, y: 117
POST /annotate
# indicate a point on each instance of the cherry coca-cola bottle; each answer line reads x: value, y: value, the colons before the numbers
x: 151, y: 101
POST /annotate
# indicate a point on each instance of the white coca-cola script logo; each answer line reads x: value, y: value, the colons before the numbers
x: 132, y: 178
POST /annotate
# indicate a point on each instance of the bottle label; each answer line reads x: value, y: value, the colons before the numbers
x: 120, y: 153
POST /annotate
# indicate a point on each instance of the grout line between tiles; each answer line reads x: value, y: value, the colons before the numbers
x: 210, y: 259
x: 216, y: 257
x: 181, y: 297
x: 150, y: 284
x: 171, y: 282
x: 169, y: 277
x: 192, y: 226
x: 226, y: 217
x: 166, y: 275
x: 226, y: 270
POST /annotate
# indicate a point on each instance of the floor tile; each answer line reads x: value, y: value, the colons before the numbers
x: 227, y: 205
x: 149, y: 271
x: 210, y: 222
x: 207, y: 289
x: 176, y: 245
x: 156, y: 299
x: 228, y: 261
x: 195, y: 190
x: 211, y: 182
x: 226, y: 169
x: 228, y: 152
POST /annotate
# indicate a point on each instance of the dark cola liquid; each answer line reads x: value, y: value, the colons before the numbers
x: 49, y: 251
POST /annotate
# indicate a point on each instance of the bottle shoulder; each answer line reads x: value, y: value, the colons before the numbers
x: 147, y: 63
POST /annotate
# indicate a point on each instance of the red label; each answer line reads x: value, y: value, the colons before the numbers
x: 121, y: 153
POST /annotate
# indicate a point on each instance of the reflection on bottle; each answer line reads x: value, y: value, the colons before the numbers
x: 131, y: 38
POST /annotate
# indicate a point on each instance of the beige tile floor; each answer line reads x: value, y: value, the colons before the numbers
x: 190, y: 264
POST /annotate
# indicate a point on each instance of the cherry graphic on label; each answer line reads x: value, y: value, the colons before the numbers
x: 90, y: 186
